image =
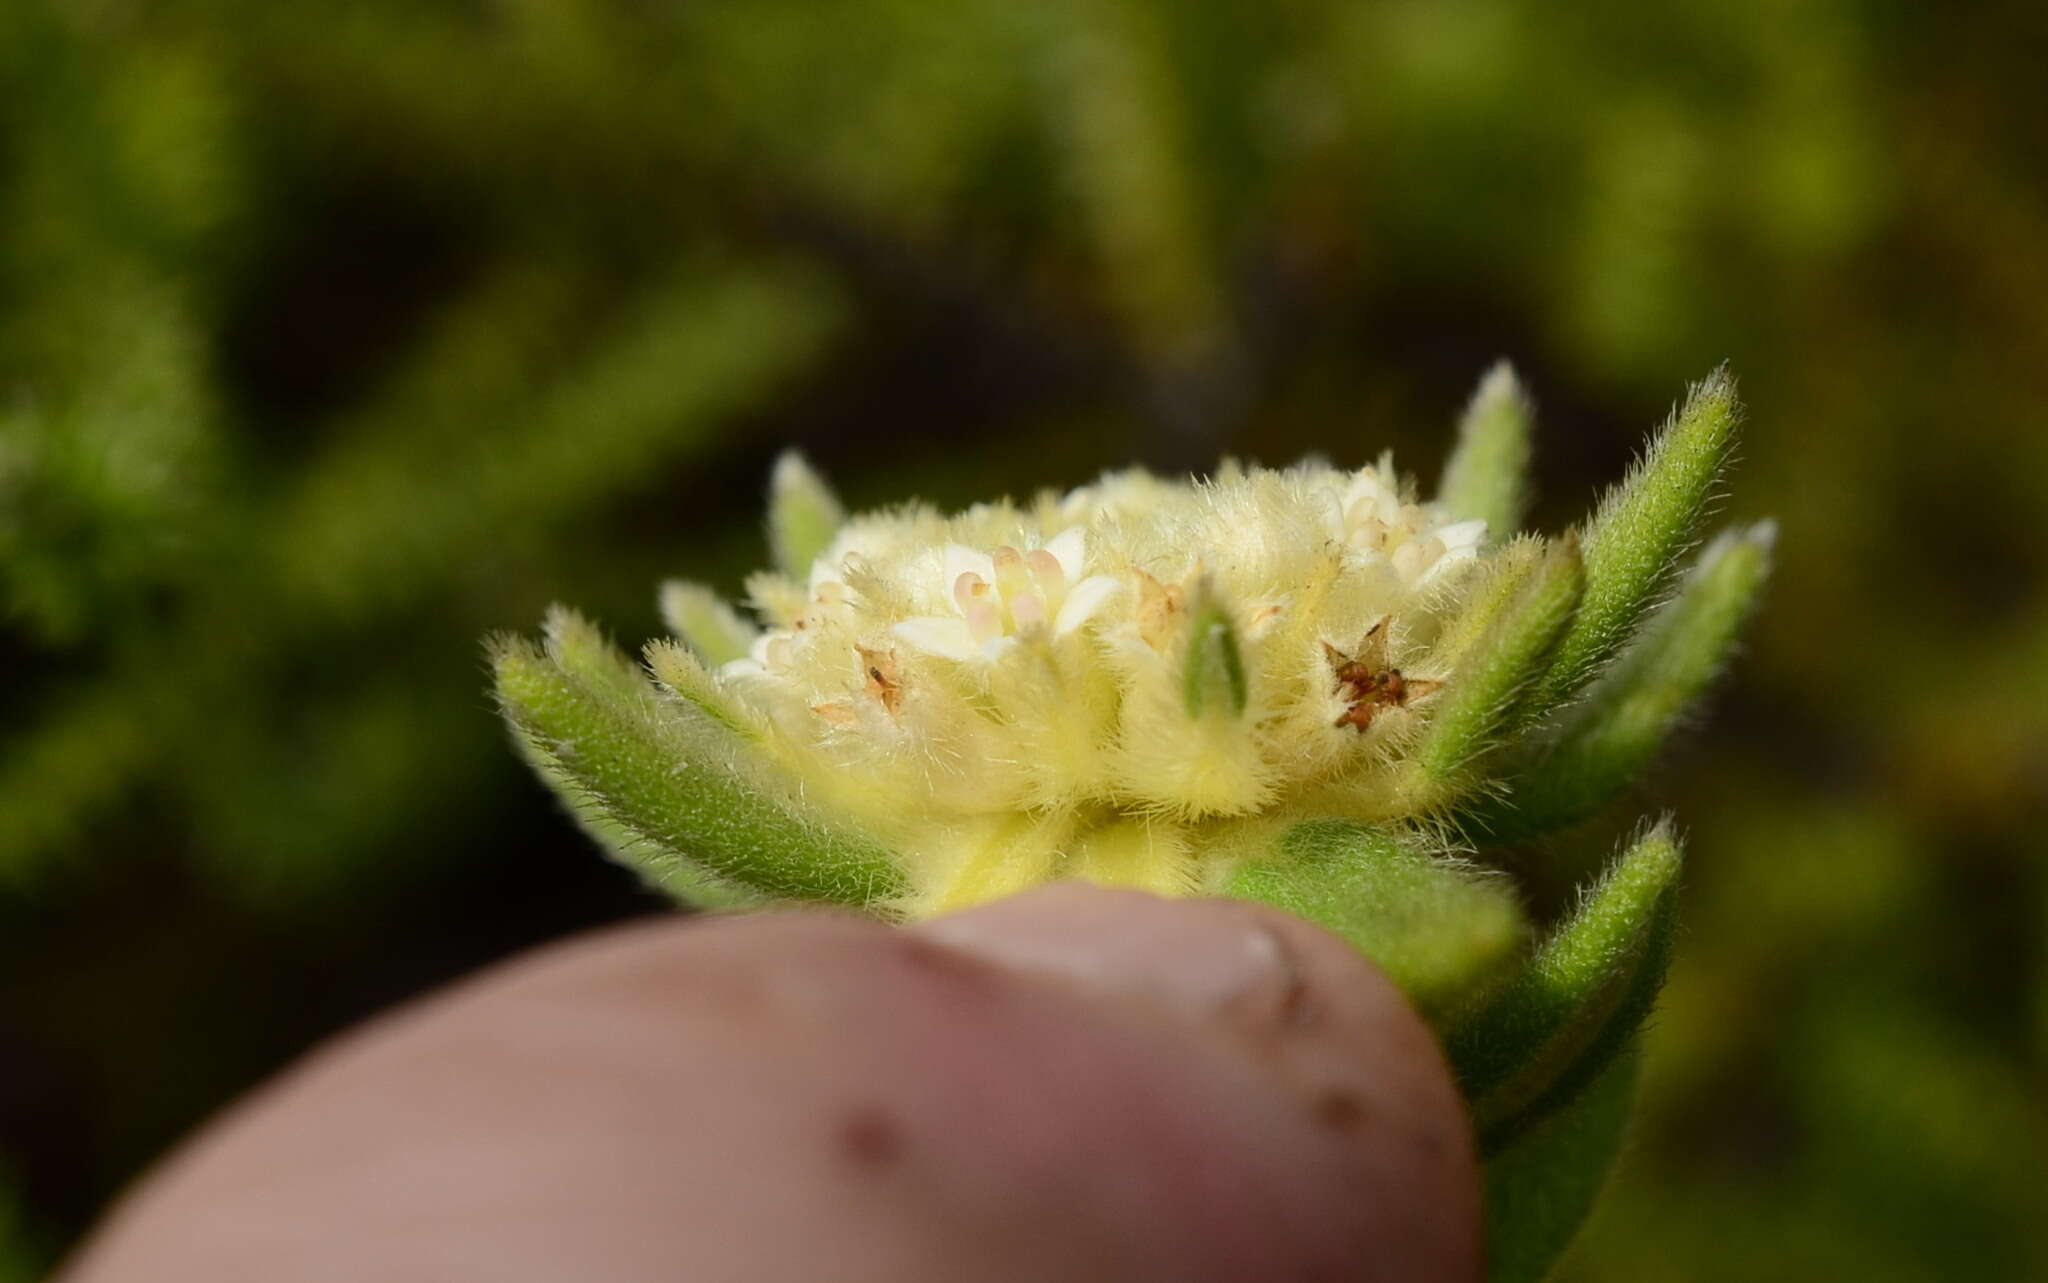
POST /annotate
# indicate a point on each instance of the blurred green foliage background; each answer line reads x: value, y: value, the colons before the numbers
x: 333, y: 336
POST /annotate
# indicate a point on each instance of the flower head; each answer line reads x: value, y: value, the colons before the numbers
x: 1305, y: 686
x: 1025, y: 667
x: 1144, y: 680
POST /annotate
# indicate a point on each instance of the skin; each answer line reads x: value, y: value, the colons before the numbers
x: 1072, y: 1084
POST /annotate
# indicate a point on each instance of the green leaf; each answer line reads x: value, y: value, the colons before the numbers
x: 1487, y: 475
x: 582, y: 650
x: 1213, y: 677
x: 1533, y: 1045
x: 1483, y: 694
x: 678, y: 785
x: 683, y: 675
x: 1634, y: 541
x: 803, y: 515
x: 1440, y: 929
x: 684, y: 879
x: 705, y: 621
x: 1540, y: 1189
x: 1606, y: 739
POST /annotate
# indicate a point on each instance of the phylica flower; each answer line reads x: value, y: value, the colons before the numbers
x: 1146, y: 681
x: 1017, y: 692
x: 1306, y: 686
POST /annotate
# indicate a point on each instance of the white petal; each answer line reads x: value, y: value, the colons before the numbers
x: 1084, y: 603
x: 771, y: 649
x: 1451, y: 558
x: 1070, y: 548
x: 1368, y: 496
x: 823, y: 570
x: 933, y: 635
x: 1463, y: 534
x: 996, y: 647
x: 740, y: 670
x: 1414, y: 557
x: 961, y: 560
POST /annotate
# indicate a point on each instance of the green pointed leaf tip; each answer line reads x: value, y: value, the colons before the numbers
x: 685, y: 788
x: 1213, y: 677
x: 583, y: 651
x: 1440, y: 929
x: 1608, y: 738
x: 803, y: 515
x: 1487, y: 475
x: 1540, y: 1189
x: 706, y: 623
x: 680, y: 673
x: 1642, y: 527
x: 1513, y: 650
x: 1534, y: 1044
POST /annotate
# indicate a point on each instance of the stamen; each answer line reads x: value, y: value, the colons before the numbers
x: 1011, y: 576
x: 1046, y: 569
x: 967, y: 588
x: 1370, y: 534
x: 1411, y: 559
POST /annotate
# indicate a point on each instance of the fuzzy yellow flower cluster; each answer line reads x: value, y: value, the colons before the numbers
x: 1235, y: 684
x: 1020, y: 691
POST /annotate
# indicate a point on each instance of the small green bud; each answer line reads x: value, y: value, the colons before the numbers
x: 1212, y: 676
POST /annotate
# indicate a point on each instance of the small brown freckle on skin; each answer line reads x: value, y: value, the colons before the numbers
x: 1340, y: 1111
x: 871, y: 1138
x: 1434, y: 1141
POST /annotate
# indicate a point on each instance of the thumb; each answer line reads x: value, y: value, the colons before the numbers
x: 1075, y: 1084
x: 1334, y: 1145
